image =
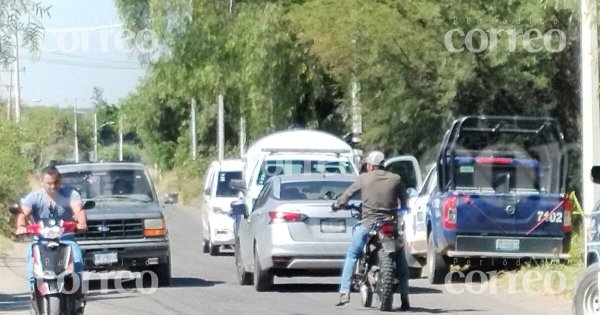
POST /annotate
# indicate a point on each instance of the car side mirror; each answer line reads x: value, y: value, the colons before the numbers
x: 238, y: 184
x: 207, y: 192
x: 412, y: 192
x: 14, y: 208
x: 89, y: 204
x: 596, y: 174
x: 238, y: 208
x: 171, y: 198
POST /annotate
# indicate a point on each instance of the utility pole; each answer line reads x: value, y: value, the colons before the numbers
x: 18, y: 79
x: 221, y: 127
x: 120, y: 139
x: 194, y: 132
x: 75, y: 129
x: 356, y: 108
x: 242, y: 136
x: 9, y: 103
x: 590, y: 111
x: 95, y: 134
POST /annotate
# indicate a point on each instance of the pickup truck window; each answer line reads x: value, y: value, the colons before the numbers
x: 289, y: 167
x: 132, y: 185
x: 492, y: 176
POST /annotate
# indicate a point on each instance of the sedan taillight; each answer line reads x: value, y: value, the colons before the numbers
x: 285, y: 217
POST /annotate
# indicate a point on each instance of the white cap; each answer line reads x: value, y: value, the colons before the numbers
x: 375, y: 158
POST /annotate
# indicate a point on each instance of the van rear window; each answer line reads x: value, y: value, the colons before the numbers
x: 291, y: 167
x: 223, y: 188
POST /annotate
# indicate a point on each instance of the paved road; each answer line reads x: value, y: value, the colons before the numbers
x: 207, y: 285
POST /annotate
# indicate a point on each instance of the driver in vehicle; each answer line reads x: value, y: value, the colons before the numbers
x: 381, y: 193
x: 53, y: 201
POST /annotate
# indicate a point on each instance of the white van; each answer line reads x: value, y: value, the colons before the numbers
x: 294, y: 152
x: 217, y: 225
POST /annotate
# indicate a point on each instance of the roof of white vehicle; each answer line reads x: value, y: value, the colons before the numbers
x: 99, y: 166
x: 316, y: 177
x: 300, y: 140
x: 230, y: 165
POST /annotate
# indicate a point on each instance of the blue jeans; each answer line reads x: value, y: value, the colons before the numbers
x: 77, y: 260
x: 359, y: 239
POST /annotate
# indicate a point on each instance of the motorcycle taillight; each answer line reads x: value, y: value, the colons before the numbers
x: 33, y: 229
x: 69, y: 226
x: 387, y: 230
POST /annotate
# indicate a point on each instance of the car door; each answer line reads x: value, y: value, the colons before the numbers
x: 245, y: 232
x: 407, y: 167
x: 206, y: 205
x: 416, y: 223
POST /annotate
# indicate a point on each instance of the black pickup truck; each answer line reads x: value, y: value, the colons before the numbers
x: 126, y: 229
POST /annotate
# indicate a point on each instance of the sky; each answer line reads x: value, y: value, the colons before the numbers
x: 82, y: 49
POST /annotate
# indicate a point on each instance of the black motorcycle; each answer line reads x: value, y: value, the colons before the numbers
x: 56, y: 288
x: 375, y: 271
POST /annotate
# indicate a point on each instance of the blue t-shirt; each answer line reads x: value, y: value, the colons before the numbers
x: 40, y: 204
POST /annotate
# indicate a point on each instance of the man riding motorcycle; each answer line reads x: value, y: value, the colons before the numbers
x: 381, y: 192
x: 52, y: 201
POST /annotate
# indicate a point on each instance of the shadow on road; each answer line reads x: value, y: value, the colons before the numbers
x: 138, y: 283
x: 438, y: 310
x: 14, y: 302
x: 424, y: 290
x: 186, y: 282
x: 306, y: 287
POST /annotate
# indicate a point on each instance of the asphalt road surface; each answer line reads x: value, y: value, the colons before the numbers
x: 207, y: 285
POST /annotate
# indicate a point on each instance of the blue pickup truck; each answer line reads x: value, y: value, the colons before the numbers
x: 500, y: 194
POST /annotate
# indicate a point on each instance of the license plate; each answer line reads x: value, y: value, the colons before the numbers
x: 105, y: 258
x: 505, y: 245
x: 333, y: 226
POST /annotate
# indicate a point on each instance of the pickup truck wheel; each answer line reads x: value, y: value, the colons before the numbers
x: 414, y: 273
x: 436, y: 264
x: 586, y: 300
x: 263, y: 279
x: 163, y: 272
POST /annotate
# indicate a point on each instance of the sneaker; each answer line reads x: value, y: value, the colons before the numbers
x: 344, y: 299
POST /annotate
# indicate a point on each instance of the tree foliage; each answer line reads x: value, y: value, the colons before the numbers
x: 20, y: 19
x: 280, y: 62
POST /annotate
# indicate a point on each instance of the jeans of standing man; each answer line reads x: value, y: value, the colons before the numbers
x: 359, y: 239
x: 75, y: 251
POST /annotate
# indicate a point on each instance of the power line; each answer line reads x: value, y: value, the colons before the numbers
x: 88, y: 64
x: 89, y: 58
x: 83, y: 29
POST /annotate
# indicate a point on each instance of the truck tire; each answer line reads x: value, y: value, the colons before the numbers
x: 414, y: 273
x: 436, y: 264
x: 213, y: 249
x: 585, y: 300
x: 163, y: 273
x: 387, y: 280
x: 205, y: 247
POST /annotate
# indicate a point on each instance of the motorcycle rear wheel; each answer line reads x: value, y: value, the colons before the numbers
x: 386, y: 285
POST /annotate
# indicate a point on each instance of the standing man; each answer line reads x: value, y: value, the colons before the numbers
x: 52, y: 201
x: 382, y: 192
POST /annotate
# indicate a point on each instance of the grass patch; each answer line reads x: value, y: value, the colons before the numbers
x: 553, y: 279
x: 5, y: 243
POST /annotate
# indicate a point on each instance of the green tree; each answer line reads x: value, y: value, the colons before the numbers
x: 20, y: 19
